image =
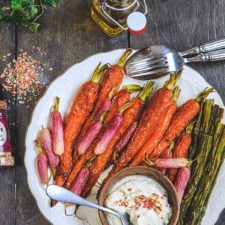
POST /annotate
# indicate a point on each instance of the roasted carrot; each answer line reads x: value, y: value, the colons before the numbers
x: 99, y: 146
x: 130, y: 115
x: 161, y: 100
x: 119, y: 99
x: 157, y: 135
x: 112, y: 79
x: 106, y: 106
x: 81, y: 161
x: 82, y: 106
x: 167, y: 153
x: 180, y: 150
x: 182, y: 117
x: 161, y: 127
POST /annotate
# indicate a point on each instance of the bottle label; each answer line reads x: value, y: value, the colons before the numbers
x: 4, y: 137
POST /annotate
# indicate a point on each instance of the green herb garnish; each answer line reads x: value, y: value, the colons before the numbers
x: 25, y: 12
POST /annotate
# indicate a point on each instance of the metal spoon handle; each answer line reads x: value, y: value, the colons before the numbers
x: 206, y: 47
x: 63, y: 195
x: 205, y: 57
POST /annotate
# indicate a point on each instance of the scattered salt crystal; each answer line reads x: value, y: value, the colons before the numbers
x: 22, y: 77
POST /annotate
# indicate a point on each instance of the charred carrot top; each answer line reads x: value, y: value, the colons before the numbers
x: 124, y: 57
x: 182, y: 117
x: 119, y: 99
x: 56, y: 104
x: 181, y: 148
x: 82, y: 105
x: 133, y: 88
x: 158, y: 103
x: 171, y: 83
x: 130, y: 115
x: 204, y: 94
x: 176, y: 93
x: 112, y: 79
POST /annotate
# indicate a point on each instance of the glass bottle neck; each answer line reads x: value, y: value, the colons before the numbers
x: 119, y: 3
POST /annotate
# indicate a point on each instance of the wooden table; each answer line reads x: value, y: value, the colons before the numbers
x: 69, y: 35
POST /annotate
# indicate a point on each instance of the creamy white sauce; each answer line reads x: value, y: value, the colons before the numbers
x: 143, y: 198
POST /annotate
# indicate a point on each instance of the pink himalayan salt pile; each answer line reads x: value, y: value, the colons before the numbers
x: 22, y: 78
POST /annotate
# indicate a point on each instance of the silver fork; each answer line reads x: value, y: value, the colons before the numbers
x: 158, y: 65
x: 153, y: 55
x: 206, y: 47
x: 63, y: 195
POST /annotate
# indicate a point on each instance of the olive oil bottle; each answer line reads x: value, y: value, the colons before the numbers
x: 110, y: 15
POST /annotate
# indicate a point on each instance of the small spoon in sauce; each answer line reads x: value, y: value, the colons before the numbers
x: 63, y: 195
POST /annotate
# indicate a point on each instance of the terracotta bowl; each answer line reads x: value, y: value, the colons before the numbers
x: 146, y: 171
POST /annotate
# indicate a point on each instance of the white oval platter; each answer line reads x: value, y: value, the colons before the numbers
x: 65, y: 86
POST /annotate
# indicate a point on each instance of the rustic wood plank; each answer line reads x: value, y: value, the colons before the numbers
x: 7, y: 217
x: 221, y: 220
x: 7, y: 175
x: 28, y: 217
x: 182, y: 24
x: 67, y: 35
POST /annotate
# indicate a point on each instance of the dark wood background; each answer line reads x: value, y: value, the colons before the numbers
x: 69, y: 35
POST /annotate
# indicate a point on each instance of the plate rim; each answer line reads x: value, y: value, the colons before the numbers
x: 47, y: 89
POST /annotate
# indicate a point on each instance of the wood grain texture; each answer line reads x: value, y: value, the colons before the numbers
x: 30, y: 217
x: 7, y: 175
x: 8, y: 217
